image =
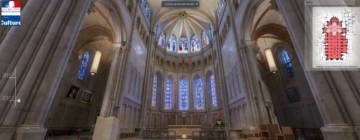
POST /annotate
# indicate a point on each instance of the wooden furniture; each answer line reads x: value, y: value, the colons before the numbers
x: 269, y: 131
x: 158, y: 134
x: 209, y: 134
x: 288, y: 133
x: 184, y: 130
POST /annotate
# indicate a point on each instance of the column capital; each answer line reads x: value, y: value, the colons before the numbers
x: 120, y: 45
x: 249, y: 43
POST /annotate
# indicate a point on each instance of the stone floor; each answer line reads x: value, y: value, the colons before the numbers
x: 89, y: 138
x: 136, y: 138
x: 83, y: 138
x: 69, y: 138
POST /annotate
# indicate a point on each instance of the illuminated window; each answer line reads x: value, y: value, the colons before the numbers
x: 199, y: 101
x: 195, y: 44
x: 95, y: 63
x: 84, y: 65
x: 146, y: 9
x: 287, y: 64
x: 162, y: 41
x: 212, y: 89
x: 168, y: 93
x: 183, y: 47
x: 270, y: 59
x: 172, y: 44
x: 205, y: 39
x: 221, y: 6
x: 184, y: 94
x: 155, y: 89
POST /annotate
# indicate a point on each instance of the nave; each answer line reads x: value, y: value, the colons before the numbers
x: 173, y: 69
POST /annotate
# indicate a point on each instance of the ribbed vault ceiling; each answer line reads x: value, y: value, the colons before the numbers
x: 183, y: 22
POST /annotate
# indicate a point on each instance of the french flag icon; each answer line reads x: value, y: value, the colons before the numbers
x: 11, y: 4
x: 10, y: 13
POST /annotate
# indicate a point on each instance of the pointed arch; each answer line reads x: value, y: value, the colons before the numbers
x: 211, y: 84
x: 198, y: 90
x: 286, y: 62
x: 156, y: 89
x: 169, y: 93
x: 85, y: 60
x: 184, y: 93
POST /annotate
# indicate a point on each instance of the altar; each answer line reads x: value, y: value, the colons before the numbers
x: 184, y: 131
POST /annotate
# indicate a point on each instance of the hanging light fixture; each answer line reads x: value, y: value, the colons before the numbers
x: 95, y: 63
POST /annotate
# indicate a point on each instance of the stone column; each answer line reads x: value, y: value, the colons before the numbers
x: 107, y: 124
x: 38, y: 51
x: 191, y: 94
x: 255, y: 103
x: 336, y: 92
x: 206, y: 92
x: 221, y: 84
x: 258, y: 95
x: 148, y: 77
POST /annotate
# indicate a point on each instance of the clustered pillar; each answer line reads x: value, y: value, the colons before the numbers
x: 37, y: 51
x: 336, y: 92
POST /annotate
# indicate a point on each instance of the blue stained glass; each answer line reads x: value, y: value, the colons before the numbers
x: 205, y: 38
x: 183, y: 46
x: 213, y: 90
x: 285, y: 58
x: 168, y: 93
x: 154, y: 90
x: 195, y: 45
x: 161, y: 41
x: 198, y: 88
x: 84, y: 66
x: 172, y: 44
x: 146, y: 9
x: 184, y: 94
x: 221, y: 5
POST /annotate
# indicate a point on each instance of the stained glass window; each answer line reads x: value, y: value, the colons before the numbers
x: 161, y: 41
x: 146, y: 9
x: 172, y: 44
x: 183, y: 94
x: 183, y: 46
x: 195, y: 44
x: 293, y: 95
x: 84, y: 65
x: 168, y: 93
x: 205, y: 39
x: 212, y: 89
x: 155, y: 89
x: 221, y: 5
x: 286, y: 61
x: 198, y: 89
